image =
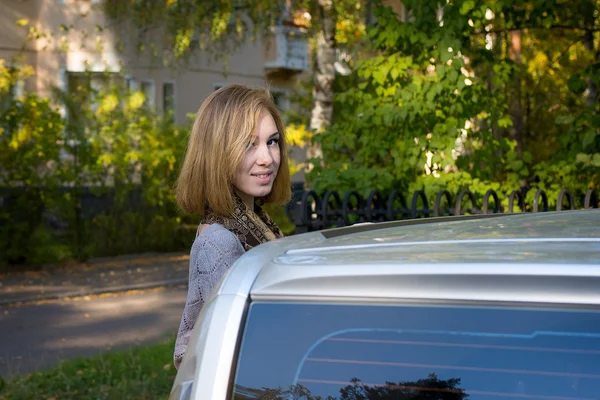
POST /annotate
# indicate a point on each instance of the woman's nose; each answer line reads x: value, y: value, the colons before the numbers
x: 263, y: 156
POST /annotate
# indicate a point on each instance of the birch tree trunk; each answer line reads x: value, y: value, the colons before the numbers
x: 588, y: 11
x: 516, y: 108
x: 324, y: 74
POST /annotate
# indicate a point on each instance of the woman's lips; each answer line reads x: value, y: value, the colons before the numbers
x: 263, y: 178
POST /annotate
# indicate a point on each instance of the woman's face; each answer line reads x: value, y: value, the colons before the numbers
x: 255, y: 175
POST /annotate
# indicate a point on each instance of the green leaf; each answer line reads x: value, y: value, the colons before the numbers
x: 596, y: 160
x: 505, y: 122
x: 385, y: 69
x: 583, y: 158
x: 564, y: 119
x: 547, y: 22
x: 589, y: 138
x: 452, y: 75
x: 387, y: 119
x: 379, y: 76
x: 467, y: 6
x: 516, y: 165
x: 576, y: 84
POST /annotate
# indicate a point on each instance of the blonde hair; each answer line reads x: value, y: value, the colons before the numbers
x: 224, y: 126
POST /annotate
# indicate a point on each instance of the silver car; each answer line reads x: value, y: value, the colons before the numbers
x: 486, y: 307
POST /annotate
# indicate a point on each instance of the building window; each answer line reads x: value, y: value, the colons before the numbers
x: 84, y: 87
x: 148, y: 88
x: 424, y: 351
x: 16, y: 89
x: 132, y: 85
x: 80, y: 93
x: 168, y: 93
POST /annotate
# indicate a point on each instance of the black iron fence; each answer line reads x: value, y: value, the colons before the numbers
x: 87, y: 202
x: 310, y: 212
x: 46, y: 225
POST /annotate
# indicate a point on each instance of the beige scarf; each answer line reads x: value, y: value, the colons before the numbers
x: 252, y: 227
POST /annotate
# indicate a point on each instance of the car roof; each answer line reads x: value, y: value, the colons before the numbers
x: 532, y: 257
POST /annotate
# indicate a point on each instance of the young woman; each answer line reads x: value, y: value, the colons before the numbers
x: 236, y: 158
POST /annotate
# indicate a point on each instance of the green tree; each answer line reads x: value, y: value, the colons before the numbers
x: 30, y: 139
x: 104, y: 143
x: 430, y: 388
x: 469, y: 93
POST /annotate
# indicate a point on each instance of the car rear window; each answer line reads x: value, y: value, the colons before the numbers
x: 303, y: 351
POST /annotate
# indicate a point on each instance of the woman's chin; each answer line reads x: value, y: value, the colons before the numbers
x: 262, y: 192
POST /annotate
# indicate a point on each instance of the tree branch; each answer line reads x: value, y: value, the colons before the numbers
x: 561, y: 27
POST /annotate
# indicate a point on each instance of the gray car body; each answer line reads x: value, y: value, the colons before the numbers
x: 524, y: 259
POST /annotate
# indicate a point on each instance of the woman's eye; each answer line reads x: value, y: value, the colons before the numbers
x: 272, y: 142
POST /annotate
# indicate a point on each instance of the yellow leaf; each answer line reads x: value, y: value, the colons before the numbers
x: 108, y: 104
x: 136, y: 101
x: 132, y: 156
x: 169, y: 2
x: 23, y: 22
x: 105, y: 160
x: 298, y: 135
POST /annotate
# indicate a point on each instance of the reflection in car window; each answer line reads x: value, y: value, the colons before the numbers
x: 303, y: 351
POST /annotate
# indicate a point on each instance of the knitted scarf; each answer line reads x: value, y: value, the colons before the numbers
x: 251, y: 227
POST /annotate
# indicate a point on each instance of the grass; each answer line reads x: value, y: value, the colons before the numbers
x: 138, y: 374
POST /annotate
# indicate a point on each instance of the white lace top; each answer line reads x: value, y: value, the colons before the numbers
x: 213, y: 252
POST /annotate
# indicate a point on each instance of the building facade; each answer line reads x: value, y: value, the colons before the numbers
x: 62, y: 39
x: 69, y: 41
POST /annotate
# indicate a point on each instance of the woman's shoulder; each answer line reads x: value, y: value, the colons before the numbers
x: 215, y: 237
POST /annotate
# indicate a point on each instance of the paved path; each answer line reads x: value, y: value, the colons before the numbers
x: 35, y: 336
x: 97, y: 276
x: 63, y: 312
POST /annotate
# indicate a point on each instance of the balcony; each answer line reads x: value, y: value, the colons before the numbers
x: 286, y: 50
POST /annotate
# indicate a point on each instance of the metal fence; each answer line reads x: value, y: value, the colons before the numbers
x: 30, y: 203
x: 310, y: 212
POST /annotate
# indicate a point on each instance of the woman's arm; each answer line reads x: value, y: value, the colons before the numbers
x: 213, y: 252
